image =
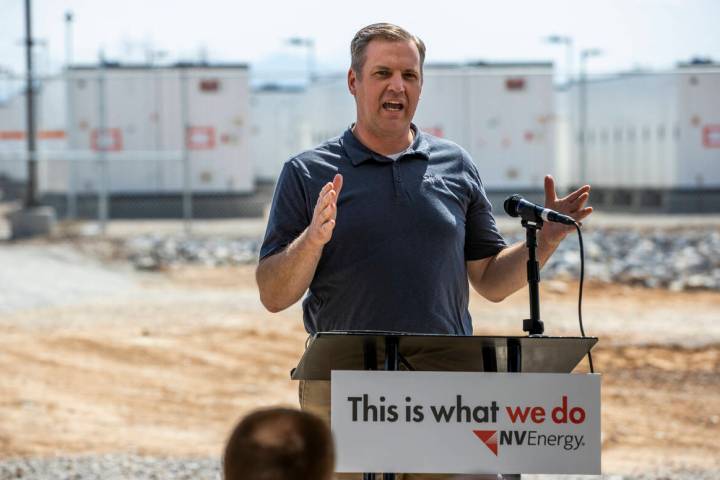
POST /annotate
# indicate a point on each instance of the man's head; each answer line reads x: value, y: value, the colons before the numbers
x: 381, y: 31
x: 385, y: 78
x: 279, y: 444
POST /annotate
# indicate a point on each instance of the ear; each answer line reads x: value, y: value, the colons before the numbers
x: 351, y: 79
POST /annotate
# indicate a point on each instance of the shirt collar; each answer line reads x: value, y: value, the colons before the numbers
x: 359, y: 153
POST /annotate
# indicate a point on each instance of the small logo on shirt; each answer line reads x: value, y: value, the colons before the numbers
x: 432, y: 179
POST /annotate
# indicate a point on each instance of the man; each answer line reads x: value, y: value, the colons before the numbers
x: 347, y: 251
x: 384, y: 225
x: 279, y: 444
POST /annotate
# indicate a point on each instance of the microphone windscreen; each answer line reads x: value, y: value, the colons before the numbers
x: 511, y: 204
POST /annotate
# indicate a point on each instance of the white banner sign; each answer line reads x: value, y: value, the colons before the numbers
x: 456, y: 422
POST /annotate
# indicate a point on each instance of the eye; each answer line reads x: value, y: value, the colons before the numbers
x: 410, y: 76
x: 382, y: 73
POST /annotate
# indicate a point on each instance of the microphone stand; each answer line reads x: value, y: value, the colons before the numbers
x: 533, y: 325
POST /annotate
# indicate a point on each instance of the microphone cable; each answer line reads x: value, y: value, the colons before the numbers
x: 582, y: 278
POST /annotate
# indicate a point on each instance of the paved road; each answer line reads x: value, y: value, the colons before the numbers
x: 37, y: 275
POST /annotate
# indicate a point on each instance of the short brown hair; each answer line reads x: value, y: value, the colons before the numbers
x: 384, y: 31
x: 279, y: 444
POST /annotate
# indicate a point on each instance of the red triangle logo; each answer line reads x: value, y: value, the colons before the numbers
x: 489, y: 438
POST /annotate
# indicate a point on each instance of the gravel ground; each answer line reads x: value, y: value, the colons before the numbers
x: 110, y: 467
x: 98, y: 296
x: 123, y: 467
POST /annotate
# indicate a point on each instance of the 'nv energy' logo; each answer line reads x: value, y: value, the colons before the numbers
x: 531, y: 438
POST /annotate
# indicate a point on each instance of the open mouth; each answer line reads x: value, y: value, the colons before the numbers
x: 393, y: 106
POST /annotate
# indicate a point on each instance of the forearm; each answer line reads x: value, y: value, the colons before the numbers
x: 506, y: 273
x: 284, y: 277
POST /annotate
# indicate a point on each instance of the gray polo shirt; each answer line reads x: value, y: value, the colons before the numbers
x: 404, y: 229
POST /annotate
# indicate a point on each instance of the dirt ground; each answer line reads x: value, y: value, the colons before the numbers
x: 167, y: 369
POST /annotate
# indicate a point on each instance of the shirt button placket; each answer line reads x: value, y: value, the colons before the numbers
x: 401, y: 196
x: 397, y: 187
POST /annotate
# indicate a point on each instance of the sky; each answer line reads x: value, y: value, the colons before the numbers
x: 650, y: 34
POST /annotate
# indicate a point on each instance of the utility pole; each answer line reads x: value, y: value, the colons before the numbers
x: 31, y: 192
x: 309, y: 44
x: 568, y: 42
x: 583, y: 113
x: 31, y: 219
x: 104, y: 184
x: 187, y: 174
x: 70, y: 119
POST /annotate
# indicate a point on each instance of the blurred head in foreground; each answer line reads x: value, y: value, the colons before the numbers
x: 279, y: 444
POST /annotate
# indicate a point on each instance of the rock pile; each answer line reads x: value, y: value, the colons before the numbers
x: 158, y: 252
x: 677, y: 260
x: 674, y: 259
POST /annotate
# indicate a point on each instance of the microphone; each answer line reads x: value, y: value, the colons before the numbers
x: 516, y: 206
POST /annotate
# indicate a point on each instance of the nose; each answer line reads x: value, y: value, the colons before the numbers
x: 397, y: 84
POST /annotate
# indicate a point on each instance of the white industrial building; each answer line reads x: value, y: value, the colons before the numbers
x: 330, y: 108
x: 142, y: 135
x: 160, y: 131
x: 652, y: 139
x: 279, y: 128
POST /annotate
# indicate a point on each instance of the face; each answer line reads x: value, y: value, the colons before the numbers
x: 388, y: 90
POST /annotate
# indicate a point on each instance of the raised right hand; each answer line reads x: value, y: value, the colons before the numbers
x: 323, y: 221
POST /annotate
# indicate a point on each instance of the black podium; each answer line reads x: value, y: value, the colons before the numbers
x: 360, y: 350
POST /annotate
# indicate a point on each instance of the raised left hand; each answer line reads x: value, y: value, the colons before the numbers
x: 572, y: 204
